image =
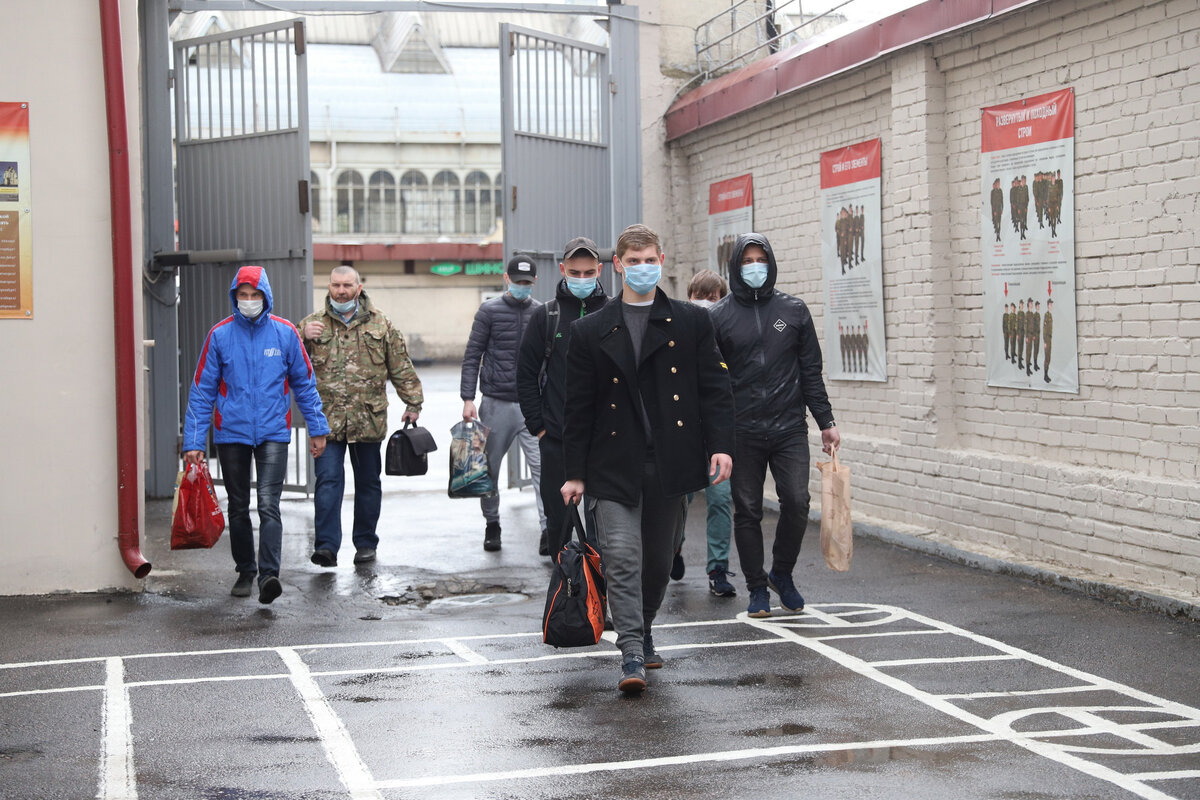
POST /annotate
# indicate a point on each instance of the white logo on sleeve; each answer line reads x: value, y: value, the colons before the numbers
x: 272, y: 352
x: 779, y: 325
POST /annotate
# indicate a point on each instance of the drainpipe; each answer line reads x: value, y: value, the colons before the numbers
x: 122, y: 248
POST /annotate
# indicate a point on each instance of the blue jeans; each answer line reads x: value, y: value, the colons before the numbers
x: 787, y: 455
x: 366, y: 461
x: 270, y: 466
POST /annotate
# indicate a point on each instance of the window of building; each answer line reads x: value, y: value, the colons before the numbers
x: 314, y: 200
x: 351, y: 203
x: 415, y: 211
x: 499, y: 184
x: 446, y: 202
x: 381, y: 203
x: 477, y: 203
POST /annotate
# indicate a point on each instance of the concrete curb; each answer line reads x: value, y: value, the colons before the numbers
x: 1143, y: 601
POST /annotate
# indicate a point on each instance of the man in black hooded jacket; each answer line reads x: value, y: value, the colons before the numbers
x: 542, y: 373
x: 770, y: 344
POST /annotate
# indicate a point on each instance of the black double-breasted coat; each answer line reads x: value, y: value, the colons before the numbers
x: 683, y: 383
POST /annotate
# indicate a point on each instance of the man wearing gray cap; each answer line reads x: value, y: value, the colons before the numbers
x: 491, y: 363
x: 542, y: 372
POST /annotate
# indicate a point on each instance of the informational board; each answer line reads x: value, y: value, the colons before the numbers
x: 730, y: 214
x: 16, y: 238
x: 852, y: 263
x: 1027, y: 235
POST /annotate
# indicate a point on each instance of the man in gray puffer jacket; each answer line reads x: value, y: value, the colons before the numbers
x: 491, y: 362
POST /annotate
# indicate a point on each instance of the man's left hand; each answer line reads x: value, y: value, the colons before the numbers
x: 830, y: 440
x: 409, y: 416
x: 719, y: 468
x: 316, y: 445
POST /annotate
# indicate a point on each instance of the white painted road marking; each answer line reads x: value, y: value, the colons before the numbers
x: 819, y: 630
x: 117, y: 778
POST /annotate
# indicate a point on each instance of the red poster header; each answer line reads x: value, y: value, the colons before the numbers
x: 14, y: 119
x: 1034, y: 120
x: 731, y: 194
x: 858, y: 162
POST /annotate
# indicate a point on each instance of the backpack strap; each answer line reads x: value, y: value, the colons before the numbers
x: 551, y: 330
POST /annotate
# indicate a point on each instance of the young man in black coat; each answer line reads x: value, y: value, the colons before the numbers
x: 647, y: 421
x: 542, y: 376
x: 770, y: 344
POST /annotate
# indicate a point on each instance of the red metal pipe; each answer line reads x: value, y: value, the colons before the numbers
x: 128, y: 540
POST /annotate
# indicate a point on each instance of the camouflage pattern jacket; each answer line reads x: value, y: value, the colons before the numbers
x: 353, y: 363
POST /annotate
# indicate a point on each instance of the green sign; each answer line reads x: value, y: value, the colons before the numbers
x: 485, y: 268
x: 446, y: 269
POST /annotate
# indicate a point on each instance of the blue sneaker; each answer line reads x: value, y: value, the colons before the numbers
x: 760, y: 603
x: 633, y: 674
x: 718, y: 583
x: 789, y: 598
x: 653, y: 659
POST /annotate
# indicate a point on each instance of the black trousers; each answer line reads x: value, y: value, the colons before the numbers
x: 554, y: 475
x: 787, y: 457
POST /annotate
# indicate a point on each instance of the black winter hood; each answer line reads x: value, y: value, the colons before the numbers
x: 737, y: 286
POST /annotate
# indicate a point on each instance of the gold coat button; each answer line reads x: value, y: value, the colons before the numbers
x: 673, y: 371
x: 679, y: 422
x: 613, y: 406
x: 671, y: 343
x: 668, y: 319
x: 677, y: 398
x: 614, y: 433
x: 616, y: 380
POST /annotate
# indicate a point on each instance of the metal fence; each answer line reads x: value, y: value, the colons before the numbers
x: 751, y: 29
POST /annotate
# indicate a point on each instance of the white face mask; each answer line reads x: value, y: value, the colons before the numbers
x: 250, y: 308
x: 704, y: 303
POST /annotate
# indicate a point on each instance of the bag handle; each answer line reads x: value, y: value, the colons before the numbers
x: 572, y: 523
x: 835, y: 460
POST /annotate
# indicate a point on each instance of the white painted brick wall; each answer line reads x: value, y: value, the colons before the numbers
x: 1103, y: 484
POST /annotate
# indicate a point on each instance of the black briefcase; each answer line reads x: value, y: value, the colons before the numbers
x: 407, y: 451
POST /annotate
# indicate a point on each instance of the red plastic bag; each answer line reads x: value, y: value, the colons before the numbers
x: 196, y: 518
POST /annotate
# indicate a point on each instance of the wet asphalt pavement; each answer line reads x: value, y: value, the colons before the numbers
x: 424, y: 676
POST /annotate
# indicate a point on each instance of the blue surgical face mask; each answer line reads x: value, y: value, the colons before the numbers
x: 250, y: 308
x: 581, y: 287
x: 520, y: 291
x: 343, y: 308
x: 754, y: 275
x: 642, y: 278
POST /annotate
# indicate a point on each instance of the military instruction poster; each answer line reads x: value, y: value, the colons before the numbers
x: 16, y: 260
x: 852, y: 263
x: 1028, y: 241
x: 730, y: 214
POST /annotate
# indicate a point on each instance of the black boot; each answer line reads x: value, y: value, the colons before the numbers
x: 491, y: 537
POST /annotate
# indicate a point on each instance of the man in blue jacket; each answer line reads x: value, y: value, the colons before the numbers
x: 251, y: 364
x: 770, y: 344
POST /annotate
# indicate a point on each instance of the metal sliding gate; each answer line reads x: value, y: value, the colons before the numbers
x: 556, y: 105
x: 241, y: 133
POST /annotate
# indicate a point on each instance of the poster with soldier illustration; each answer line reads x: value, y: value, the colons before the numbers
x: 1028, y: 239
x: 852, y: 263
x: 730, y: 214
x: 16, y: 237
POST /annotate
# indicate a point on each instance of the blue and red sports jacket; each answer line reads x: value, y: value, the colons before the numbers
x: 247, y: 372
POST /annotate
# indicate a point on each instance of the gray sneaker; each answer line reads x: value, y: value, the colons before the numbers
x: 653, y: 659
x: 245, y: 583
x: 633, y: 674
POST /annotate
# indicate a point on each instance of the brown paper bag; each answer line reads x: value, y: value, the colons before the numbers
x: 837, y: 543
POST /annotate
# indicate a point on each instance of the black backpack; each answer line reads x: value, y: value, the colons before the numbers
x: 577, y: 599
x: 407, y: 451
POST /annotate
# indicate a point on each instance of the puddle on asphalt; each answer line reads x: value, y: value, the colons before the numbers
x: 787, y: 729
x: 12, y: 754
x: 268, y: 738
x: 455, y: 593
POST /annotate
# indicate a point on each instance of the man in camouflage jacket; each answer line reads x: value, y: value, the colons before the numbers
x: 355, y: 351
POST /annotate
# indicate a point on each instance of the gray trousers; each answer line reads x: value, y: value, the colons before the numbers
x: 637, y: 546
x: 507, y: 423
